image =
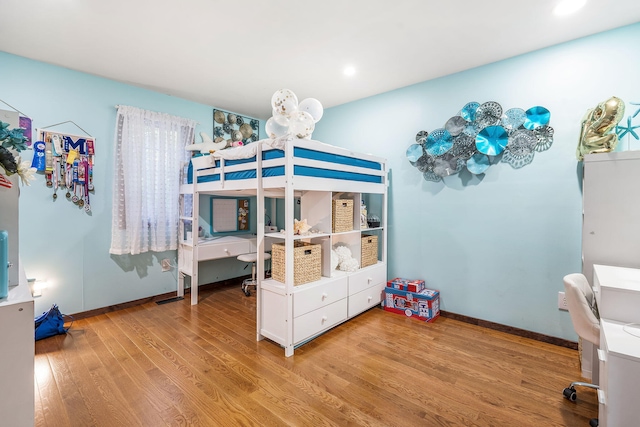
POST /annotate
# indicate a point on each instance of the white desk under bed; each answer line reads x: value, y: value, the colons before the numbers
x: 209, y: 249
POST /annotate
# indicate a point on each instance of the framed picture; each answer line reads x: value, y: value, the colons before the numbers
x: 229, y: 214
x: 234, y: 128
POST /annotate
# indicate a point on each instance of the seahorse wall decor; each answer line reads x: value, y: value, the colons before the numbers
x: 596, y: 133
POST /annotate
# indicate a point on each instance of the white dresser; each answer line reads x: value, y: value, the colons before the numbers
x: 16, y: 357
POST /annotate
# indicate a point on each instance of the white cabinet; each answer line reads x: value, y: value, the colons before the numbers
x: 619, y: 358
x: 17, y: 356
x: 611, y: 202
x: 292, y: 315
x: 610, y: 230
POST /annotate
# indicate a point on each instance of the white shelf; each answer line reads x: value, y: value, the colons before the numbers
x: 364, y: 230
x: 282, y: 236
x: 344, y: 233
x: 294, y: 314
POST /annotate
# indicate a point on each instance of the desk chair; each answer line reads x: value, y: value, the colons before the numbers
x: 584, y: 316
x: 252, y: 258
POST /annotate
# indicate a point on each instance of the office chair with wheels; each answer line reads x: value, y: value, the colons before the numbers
x: 584, y: 316
x: 252, y: 258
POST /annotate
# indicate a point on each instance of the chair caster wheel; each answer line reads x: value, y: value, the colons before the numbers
x: 570, y: 393
x: 247, y: 293
x: 593, y: 422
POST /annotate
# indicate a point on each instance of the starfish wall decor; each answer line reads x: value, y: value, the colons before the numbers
x: 622, y: 131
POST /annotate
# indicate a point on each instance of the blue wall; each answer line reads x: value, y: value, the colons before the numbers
x: 496, y: 248
x: 60, y: 242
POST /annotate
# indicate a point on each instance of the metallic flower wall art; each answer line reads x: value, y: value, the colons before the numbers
x: 478, y: 134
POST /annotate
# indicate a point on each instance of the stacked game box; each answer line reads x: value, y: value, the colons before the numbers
x: 411, y: 285
x: 412, y: 298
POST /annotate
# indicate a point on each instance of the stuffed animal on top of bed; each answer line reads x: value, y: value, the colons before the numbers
x: 208, y: 146
x: 291, y: 117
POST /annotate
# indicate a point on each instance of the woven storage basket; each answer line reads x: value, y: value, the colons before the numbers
x: 368, y: 250
x: 307, y: 261
x: 342, y: 215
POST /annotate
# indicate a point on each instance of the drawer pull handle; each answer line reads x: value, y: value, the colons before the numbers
x: 324, y: 319
x: 369, y: 298
x: 602, y: 399
x: 601, y: 355
x: 324, y: 295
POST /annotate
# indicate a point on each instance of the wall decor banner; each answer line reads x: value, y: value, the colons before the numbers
x: 67, y: 163
x: 479, y: 136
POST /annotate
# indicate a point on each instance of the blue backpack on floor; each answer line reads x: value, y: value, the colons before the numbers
x: 50, y: 323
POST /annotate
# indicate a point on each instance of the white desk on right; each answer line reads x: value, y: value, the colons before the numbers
x: 617, y: 291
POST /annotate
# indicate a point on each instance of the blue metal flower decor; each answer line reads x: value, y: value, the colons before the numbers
x: 478, y: 134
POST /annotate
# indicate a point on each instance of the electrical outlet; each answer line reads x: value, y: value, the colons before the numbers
x: 166, y: 264
x: 562, y: 301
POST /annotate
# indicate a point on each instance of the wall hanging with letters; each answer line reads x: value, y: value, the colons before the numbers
x: 67, y: 162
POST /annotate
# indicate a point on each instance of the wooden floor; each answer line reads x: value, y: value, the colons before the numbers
x: 174, y: 364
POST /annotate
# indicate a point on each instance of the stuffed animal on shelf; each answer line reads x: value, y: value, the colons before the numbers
x: 346, y: 262
x: 300, y: 227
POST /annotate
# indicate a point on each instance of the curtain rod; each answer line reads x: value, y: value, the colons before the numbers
x: 118, y: 106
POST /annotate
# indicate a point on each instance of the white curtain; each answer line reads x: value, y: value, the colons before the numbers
x: 149, y: 156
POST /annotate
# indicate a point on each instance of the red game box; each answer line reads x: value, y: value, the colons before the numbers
x: 410, y: 285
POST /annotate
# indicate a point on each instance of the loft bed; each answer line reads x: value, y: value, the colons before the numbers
x: 284, y: 167
x: 313, y: 163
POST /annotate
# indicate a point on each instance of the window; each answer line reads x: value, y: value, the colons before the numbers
x: 149, y: 157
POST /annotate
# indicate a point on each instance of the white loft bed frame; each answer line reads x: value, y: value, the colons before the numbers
x: 287, y: 186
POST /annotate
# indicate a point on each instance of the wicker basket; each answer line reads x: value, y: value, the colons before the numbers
x: 307, y: 261
x: 342, y: 215
x: 368, y: 251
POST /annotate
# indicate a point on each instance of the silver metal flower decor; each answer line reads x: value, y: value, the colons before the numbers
x: 477, y: 136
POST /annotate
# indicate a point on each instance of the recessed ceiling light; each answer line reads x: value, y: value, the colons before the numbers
x: 349, y: 71
x: 567, y: 7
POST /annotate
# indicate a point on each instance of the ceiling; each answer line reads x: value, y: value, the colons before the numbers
x: 235, y: 55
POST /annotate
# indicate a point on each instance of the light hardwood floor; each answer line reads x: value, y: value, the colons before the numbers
x: 174, y: 364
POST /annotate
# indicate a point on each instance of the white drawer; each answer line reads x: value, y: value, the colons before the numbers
x: 367, y: 277
x: 223, y: 250
x: 319, y: 320
x: 315, y: 296
x: 366, y: 299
